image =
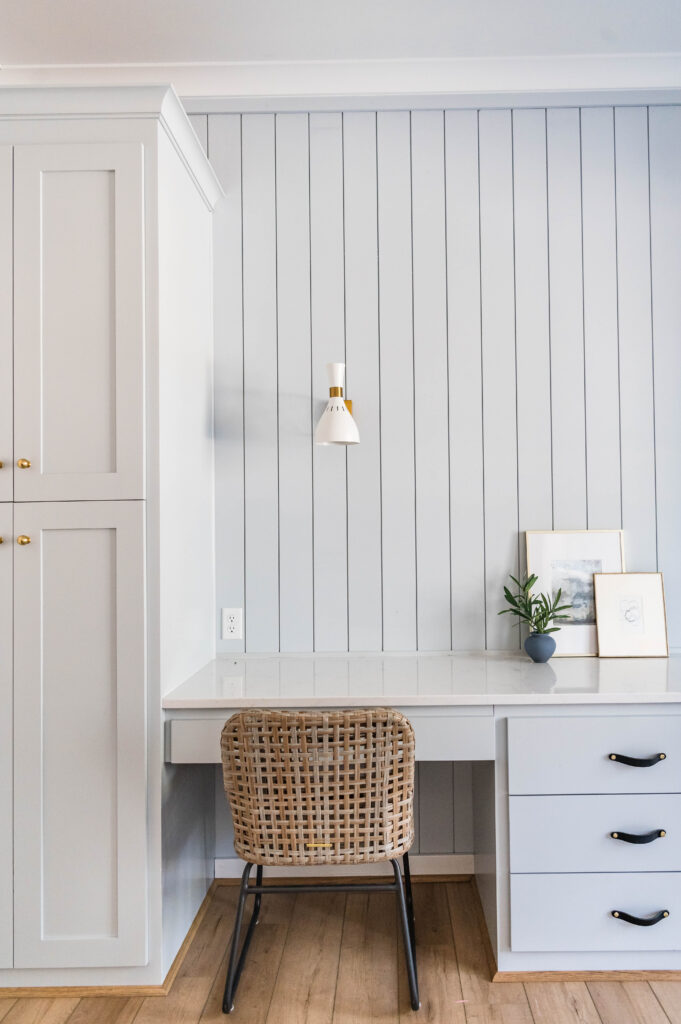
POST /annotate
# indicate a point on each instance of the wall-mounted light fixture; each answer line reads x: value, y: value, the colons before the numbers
x: 336, y: 425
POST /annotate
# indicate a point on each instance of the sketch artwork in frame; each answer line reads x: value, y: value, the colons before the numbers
x: 630, y: 614
x: 567, y: 560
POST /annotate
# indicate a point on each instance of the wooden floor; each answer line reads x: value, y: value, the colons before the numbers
x: 337, y: 960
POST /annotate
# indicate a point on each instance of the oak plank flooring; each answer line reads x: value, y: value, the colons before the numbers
x: 367, y: 972
x: 254, y: 994
x: 471, y: 951
x: 106, y: 1010
x: 668, y: 994
x: 306, y: 982
x: 41, y: 1011
x: 562, y: 1002
x: 439, y: 982
x: 319, y: 959
x: 630, y: 1001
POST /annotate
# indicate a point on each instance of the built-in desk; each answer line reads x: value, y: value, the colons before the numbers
x: 547, y: 793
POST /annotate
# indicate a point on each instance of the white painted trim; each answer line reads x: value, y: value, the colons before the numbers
x: 30, y: 100
x: 249, y: 79
x: 420, y: 864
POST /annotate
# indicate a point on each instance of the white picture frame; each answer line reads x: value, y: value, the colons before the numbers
x: 630, y: 615
x: 568, y: 559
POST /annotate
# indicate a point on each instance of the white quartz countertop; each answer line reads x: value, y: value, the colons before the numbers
x: 413, y: 680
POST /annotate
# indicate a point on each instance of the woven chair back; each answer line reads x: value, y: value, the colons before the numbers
x: 318, y: 787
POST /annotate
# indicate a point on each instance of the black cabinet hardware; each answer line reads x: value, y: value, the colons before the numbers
x: 642, y: 922
x: 647, y: 837
x: 637, y: 762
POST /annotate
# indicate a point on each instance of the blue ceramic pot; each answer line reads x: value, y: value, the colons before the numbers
x: 540, y: 646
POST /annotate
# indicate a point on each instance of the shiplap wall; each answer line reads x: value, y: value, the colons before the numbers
x: 505, y: 288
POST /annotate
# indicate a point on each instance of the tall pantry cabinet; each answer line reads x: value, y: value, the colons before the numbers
x: 106, y: 499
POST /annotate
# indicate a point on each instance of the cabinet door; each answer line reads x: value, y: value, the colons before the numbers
x: 78, y: 322
x: 80, y: 749
x: 5, y: 735
x: 6, y: 389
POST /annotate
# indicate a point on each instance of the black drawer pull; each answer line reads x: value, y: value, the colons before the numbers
x: 643, y: 922
x: 637, y: 762
x: 647, y: 837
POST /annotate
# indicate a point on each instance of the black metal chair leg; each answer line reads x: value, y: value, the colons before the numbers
x: 228, y: 998
x: 410, y: 903
x: 409, y: 951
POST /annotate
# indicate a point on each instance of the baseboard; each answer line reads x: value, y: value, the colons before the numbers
x: 424, y: 865
x: 78, y: 991
x: 520, y: 976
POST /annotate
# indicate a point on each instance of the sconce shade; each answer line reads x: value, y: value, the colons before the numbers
x: 336, y: 425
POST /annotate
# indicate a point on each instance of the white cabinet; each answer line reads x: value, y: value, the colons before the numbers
x: 107, y: 568
x: 79, y: 729
x: 6, y: 735
x: 6, y: 384
x: 78, y: 321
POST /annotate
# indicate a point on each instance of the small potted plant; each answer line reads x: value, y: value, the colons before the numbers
x: 538, y: 611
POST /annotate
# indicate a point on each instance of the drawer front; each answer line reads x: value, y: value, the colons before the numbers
x: 446, y: 738
x: 573, y: 913
x: 572, y: 755
x: 573, y: 833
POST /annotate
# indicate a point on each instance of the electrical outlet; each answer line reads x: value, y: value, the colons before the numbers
x: 232, y: 624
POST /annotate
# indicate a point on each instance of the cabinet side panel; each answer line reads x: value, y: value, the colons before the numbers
x: 187, y: 521
x: 186, y: 493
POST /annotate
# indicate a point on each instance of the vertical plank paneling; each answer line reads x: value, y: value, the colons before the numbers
x: 462, y: 808
x: 225, y: 155
x: 397, y: 381
x: 553, y: 401
x: 635, y: 331
x: 328, y: 345
x: 601, y: 344
x: 431, y: 418
x: 465, y: 380
x: 436, y: 807
x: 260, y: 383
x: 665, y: 213
x: 361, y: 313
x: 535, y: 496
x: 498, y: 368
x: 566, y: 321
x: 294, y: 396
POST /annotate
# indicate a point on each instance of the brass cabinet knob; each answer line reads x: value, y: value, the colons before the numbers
x: 23, y: 539
x: 2, y: 540
x: 24, y: 463
x: 1, y: 464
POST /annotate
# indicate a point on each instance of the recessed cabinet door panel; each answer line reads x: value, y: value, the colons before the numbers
x: 6, y: 735
x: 78, y: 322
x: 6, y: 389
x: 80, y: 749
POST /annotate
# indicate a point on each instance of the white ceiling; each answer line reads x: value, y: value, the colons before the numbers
x: 77, y: 32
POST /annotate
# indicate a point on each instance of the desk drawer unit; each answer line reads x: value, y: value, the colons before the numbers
x: 595, y: 833
x: 567, y: 912
x: 582, y: 755
x: 464, y: 736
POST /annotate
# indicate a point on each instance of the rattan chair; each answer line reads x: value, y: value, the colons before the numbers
x: 311, y: 788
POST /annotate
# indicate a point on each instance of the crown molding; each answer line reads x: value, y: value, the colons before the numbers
x: 247, y: 83
x: 158, y: 102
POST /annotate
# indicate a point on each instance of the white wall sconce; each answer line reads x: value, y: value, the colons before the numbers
x: 336, y: 425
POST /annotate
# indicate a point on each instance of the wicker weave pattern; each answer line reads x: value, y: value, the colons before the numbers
x: 319, y: 787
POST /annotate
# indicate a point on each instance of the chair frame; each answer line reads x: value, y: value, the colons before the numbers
x: 401, y: 887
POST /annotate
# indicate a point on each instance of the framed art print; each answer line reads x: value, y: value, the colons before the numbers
x: 567, y: 560
x: 630, y: 615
